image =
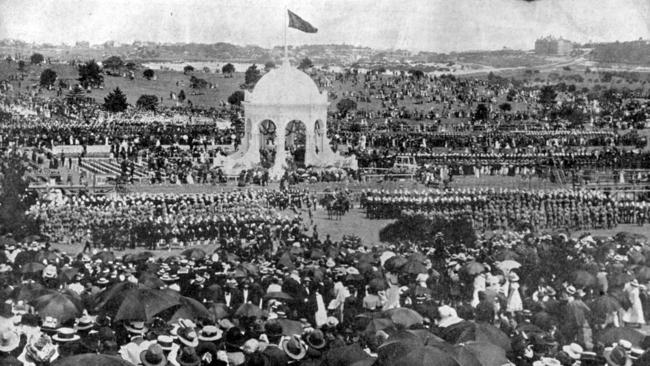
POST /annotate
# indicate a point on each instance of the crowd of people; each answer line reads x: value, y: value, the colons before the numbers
x: 514, y: 298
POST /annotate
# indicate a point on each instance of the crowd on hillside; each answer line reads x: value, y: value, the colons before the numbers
x: 433, y: 117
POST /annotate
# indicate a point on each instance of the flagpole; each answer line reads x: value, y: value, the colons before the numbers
x: 286, y: 25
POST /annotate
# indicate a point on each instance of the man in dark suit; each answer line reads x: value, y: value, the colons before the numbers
x: 294, y: 288
x: 232, y: 296
x: 251, y: 292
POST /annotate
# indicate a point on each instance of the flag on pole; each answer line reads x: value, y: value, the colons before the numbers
x: 298, y: 23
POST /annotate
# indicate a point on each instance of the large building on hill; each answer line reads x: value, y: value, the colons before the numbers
x: 553, y: 46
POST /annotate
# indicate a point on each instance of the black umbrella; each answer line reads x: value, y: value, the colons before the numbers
x: 92, y: 359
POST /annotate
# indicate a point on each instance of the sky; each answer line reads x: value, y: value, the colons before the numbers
x: 416, y: 25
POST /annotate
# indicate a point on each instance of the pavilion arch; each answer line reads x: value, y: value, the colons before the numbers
x: 296, y: 140
x: 319, y: 132
x: 268, y: 134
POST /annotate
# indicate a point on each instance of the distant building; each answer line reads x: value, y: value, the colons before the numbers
x: 82, y: 44
x: 553, y: 46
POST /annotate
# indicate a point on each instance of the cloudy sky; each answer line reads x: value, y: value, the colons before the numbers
x: 430, y: 25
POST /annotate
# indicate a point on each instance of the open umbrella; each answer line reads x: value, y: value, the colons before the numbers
x: 416, y: 356
x: 290, y: 327
x: 25, y: 257
x: 375, y: 325
x: 642, y: 274
x: 286, y: 261
x: 613, y: 335
x: 137, y: 257
x: 189, y: 308
x: 583, y: 278
x: 473, y: 268
x: 248, y: 310
x: 28, y: 291
x: 344, y: 355
x: 32, y: 267
x: 49, y: 256
x: 92, y: 359
x: 506, y: 254
x: 413, y: 267
x: 138, y: 303
x: 151, y: 280
x: 104, y: 256
x: 603, y: 305
x: 395, y: 263
x: 61, y: 305
x: 487, y: 333
x: 219, y: 311
x: 479, y: 354
x: 194, y: 253
x: 508, y: 265
x: 278, y: 295
x: 250, y: 268
x: 404, y: 316
x: 316, y: 253
x: 378, y: 284
x: 67, y: 273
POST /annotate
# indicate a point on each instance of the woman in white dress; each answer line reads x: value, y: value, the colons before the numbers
x: 514, y: 303
x: 634, y: 315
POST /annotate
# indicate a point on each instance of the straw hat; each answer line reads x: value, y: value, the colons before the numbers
x: 210, y: 333
x: 9, y: 340
x: 165, y: 342
x: 40, y: 349
x: 188, y: 337
x: 66, y: 335
x: 316, y: 339
x: 574, y: 350
x: 153, y: 356
x: 294, y: 348
x: 135, y: 327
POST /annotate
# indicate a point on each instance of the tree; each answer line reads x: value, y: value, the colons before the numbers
x: 252, y: 76
x: 228, y: 69
x: 131, y: 65
x: 236, y: 98
x: 547, y: 96
x: 147, y: 102
x: 113, y: 63
x: 90, y: 74
x: 505, y: 107
x: 181, y: 96
x: 36, y: 59
x: 48, y: 78
x: 14, y: 198
x: 481, y: 113
x: 148, y: 74
x: 305, y: 64
x: 346, y: 105
x: 206, y: 70
x: 115, y: 101
x: 188, y: 68
x: 198, y: 83
x: 416, y: 73
x: 21, y: 65
x: 269, y: 65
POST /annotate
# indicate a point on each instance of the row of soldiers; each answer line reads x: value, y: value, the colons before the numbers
x: 508, y: 209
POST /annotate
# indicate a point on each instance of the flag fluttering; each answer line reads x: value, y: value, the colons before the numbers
x: 298, y: 23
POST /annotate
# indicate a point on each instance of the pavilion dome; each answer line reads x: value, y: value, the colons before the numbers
x: 286, y: 85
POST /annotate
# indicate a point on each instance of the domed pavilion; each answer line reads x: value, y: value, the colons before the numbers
x: 283, y: 101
